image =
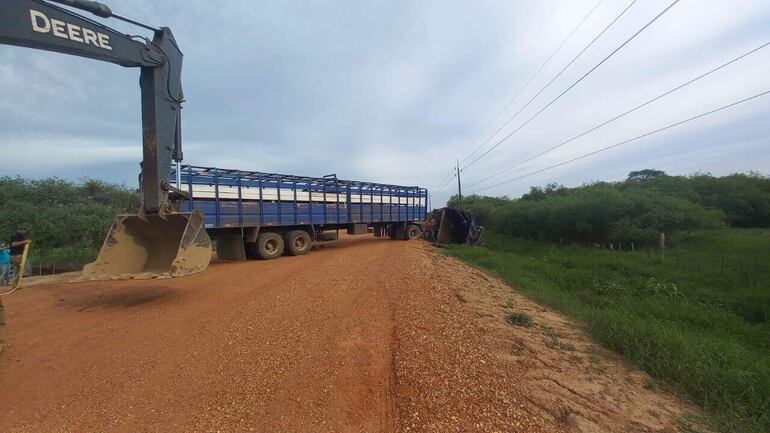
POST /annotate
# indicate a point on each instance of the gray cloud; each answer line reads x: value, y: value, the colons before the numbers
x: 395, y: 91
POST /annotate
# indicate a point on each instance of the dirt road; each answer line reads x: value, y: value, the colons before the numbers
x: 363, y: 335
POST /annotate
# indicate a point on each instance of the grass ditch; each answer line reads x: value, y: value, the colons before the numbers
x: 699, y: 319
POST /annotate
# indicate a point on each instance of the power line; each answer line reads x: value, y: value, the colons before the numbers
x: 574, y: 59
x: 446, y: 179
x: 521, y: 89
x: 445, y: 184
x: 724, y: 107
x: 644, y: 104
x: 574, y: 84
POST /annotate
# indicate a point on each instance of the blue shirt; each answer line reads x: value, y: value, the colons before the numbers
x: 5, y: 256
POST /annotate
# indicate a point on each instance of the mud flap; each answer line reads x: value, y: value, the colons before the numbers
x: 175, y: 246
x: 231, y: 248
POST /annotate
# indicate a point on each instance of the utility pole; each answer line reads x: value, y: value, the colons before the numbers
x: 459, y: 185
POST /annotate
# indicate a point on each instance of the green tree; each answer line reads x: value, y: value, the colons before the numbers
x: 638, y: 209
x: 63, y: 215
x: 646, y: 174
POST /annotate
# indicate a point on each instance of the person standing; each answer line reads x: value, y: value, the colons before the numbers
x: 5, y: 263
x: 18, y: 241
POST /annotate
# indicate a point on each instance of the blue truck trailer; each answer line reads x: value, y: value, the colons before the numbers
x: 252, y: 214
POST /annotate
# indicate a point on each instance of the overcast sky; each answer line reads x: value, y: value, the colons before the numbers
x: 395, y: 91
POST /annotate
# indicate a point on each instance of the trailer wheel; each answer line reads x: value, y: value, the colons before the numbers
x: 269, y: 245
x: 297, y: 242
x: 391, y: 230
x: 412, y: 232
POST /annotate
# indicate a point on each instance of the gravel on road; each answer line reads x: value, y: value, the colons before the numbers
x: 361, y: 335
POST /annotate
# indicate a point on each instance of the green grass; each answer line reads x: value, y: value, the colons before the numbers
x: 519, y: 319
x: 698, y: 319
x: 74, y: 255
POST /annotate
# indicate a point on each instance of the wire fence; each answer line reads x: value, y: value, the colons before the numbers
x: 748, y: 269
x: 40, y: 269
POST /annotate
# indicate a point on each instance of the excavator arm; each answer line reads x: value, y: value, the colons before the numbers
x: 159, y: 240
x: 42, y: 25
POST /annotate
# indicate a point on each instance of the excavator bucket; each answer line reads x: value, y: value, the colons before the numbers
x: 174, y: 245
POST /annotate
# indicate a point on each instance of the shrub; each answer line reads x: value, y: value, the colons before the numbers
x: 67, y: 220
x: 519, y: 319
x: 635, y: 210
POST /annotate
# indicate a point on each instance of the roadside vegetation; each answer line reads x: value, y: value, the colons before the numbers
x: 697, y: 317
x: 67, y: 220
x: 636, y: 210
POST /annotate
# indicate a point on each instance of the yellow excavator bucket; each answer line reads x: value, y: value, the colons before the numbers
x: 135, y: 248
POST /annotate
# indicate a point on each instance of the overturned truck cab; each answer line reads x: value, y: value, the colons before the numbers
x: 453, y: 226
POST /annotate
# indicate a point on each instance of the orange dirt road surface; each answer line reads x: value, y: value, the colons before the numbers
x: 362, y: 335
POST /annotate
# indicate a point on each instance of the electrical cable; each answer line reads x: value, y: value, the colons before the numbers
x: 647, y: 134
x: 575, y: 83
x: 644, y: 104
x: 521, y: 89
x: 445, y: 184
x: 446, y: 179
x: 574, y: 59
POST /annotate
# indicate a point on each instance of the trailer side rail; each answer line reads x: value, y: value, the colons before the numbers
x: 237, y: 198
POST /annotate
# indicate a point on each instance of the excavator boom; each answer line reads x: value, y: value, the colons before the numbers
x: 159, y: 240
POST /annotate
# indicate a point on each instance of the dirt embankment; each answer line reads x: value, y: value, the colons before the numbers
x: 365, y: 335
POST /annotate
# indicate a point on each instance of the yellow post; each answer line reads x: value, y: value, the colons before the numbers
x: 22, y: 267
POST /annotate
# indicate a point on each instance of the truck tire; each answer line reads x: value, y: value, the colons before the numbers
x: 391, y: 231
x: 399, y: 232
x: 297, y: 242
x: 412, y: 232
x: 269, y: 245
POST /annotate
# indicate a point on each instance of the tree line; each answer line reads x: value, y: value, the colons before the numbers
x: 67, y: 220
x: 637, y: 209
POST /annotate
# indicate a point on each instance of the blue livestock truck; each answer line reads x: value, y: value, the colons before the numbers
x: 264, y: 215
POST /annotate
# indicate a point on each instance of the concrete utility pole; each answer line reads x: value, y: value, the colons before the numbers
x: 459, y: 185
